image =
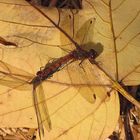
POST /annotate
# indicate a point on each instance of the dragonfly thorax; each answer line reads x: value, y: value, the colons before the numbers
x: 83, y: 54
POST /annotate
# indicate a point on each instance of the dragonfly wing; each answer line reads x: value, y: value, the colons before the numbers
x: 43, y: 114
x: 74, y: 99
x: 85, y: 37
x: 38, y: 115
x: 86, y: 32
x: 13, y: 77
x: 86, y: 77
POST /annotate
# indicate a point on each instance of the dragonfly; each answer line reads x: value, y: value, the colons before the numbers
x: 47, y: 72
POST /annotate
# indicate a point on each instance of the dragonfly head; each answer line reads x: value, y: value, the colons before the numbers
x: 93, y: 54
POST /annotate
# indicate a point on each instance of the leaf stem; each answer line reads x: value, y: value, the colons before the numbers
x: 119, y: 88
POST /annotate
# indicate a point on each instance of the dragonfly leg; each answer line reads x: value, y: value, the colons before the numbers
x: 80, y: 64
x: 99, y: 63
x: 48, y: 64
x: 52, y: 60
x: 41, y: 68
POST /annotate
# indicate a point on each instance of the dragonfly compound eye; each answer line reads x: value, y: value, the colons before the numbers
x: 93, y: 53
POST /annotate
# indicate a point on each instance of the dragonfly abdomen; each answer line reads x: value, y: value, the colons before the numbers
x: 50, y: 69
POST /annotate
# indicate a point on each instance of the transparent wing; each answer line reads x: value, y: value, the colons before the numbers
x: 74, y: 95
x: 13, y: 77
x: 85, y: 37
x: 90, y: 80
x: 42, y: 109
x: 38, y: 115
x: 86, y: 33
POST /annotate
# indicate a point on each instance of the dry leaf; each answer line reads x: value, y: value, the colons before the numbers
x: 74, y: 112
